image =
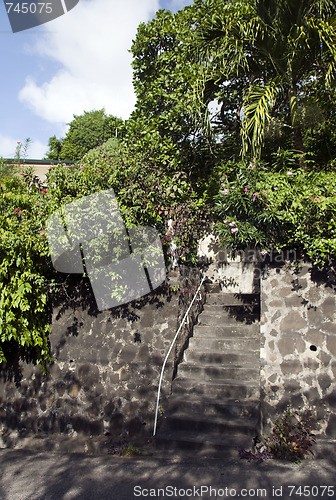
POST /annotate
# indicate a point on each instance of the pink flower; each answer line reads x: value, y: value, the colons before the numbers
x: 42, y: 234
x: 255, y: 195
x: 246, y: 190
x: 43, y: 191
x: 225, y: 191
x: 265, y: 192
x: 232, y: 223
x: 234, y: 230
x: 263, y: 252
x: 225, y: 221
x: 17, y: 210
x: 289, y: 173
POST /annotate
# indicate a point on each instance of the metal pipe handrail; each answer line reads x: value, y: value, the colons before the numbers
x: 169, y: 351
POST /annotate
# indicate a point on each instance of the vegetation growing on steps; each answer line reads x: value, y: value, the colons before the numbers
x: 291, y: 439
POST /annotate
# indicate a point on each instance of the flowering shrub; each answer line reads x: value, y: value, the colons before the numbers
x: 24, y: 270
x: 147, y: 194
x: 267, y: 209
x: 291, y: 439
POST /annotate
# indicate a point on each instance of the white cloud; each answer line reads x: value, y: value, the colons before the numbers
x: 37, y: 150
x: 91, y: 43
x: 8, y: 145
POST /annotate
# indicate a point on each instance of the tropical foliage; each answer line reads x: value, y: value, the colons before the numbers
x: 274, y: 49
x: 233, y: 129
x: 279, y: 209
x: 85, y: 132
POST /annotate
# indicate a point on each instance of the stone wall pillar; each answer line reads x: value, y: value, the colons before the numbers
x: 298, y: 343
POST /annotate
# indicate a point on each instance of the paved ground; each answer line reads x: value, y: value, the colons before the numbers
x: 28, y: 475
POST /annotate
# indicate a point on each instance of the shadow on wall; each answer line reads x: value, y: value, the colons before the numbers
x: 107, y: 366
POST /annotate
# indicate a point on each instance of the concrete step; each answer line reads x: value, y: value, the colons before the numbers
x: 225, y: 344
x: 215, y: 372
x: 221, y: 358
x: 209, y: 423
x: 232, y: 299
x: 226, y: 331
x: 229, y: 408
x: 217, y: 389
x: 209, y: 318
x: 204, y: 444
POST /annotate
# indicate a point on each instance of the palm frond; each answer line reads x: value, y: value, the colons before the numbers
x: 258, y: 103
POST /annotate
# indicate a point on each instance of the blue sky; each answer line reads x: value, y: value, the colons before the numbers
x: 72, y: 64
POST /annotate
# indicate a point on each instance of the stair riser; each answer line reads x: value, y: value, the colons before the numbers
x: 183, y: 386
x: 220, y: 318
x: 235, y: 344
x: 226, y: 331
x: 220, y: 373
x: 229, y: 310
x: 177, y: 424
x: 219, y: 450
x: 215, y: 409
x: 227, y: 299
x: 225, y: 319
x: 223, y: 359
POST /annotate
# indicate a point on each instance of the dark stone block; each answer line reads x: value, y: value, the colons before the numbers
x: 109, y: 408
x: 116, y: 424
x: 313, y: 396
x: 331, y: 428
x: 314, y: 316
x: 328, y: 308
x: 85, y: 426
x: 293, y: 321
x: 128, y: 353
x: 324, y: 381
x: 135, y: 427
x: 21, y: 405
x: 291, y: 367
x: 60, y: 387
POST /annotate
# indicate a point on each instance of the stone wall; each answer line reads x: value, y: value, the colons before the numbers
x: 298, y: 343
x: 103, y: 383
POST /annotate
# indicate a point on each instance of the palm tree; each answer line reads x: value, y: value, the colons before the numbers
x: 279, y: 46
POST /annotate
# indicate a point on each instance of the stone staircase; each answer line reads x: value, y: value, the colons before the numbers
x: 214, y: 407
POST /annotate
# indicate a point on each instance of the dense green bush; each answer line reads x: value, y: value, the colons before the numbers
x: 24, y: 269
x: 148, y: 193
x: 276, y: 207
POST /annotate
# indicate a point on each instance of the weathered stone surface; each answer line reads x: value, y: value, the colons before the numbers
x: 328, y: 308
x: 291, y: 367
x: 293, y: 301
x: 107, y: 366
x: 275, y: 303
x: 314, y: 316
x: 324, y: 381
x: 331, y: 344
x: 313, y: 396
x: 315, y: 337
x: 293, y: 321
x: 300, y: 376
x: 331, y: 429
x: 74, y: 391
x: 285, y: 291
x: 276, y: 316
